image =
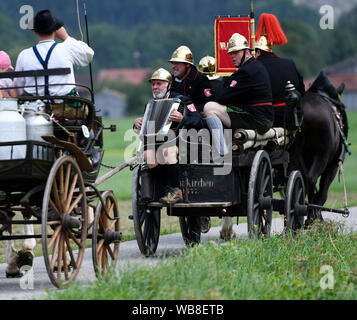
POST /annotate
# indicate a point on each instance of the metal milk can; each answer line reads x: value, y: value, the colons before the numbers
x: 12, y: 128
x: 38, y: 124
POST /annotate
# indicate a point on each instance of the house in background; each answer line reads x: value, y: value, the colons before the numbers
x: 346, y: 72
x: 111, y: 103
x: 124, y: 76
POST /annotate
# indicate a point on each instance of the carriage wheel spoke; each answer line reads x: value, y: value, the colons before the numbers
x: 74, y: 239
x: 60, y: 257
x: 73, y: 260
x: 55, y: 209
x: 100, y: 245
x: 70, y: 193
x: 55, y: 193
x: 67, y: 179
x: 109, y: 249
x: 75, y: 202
x: 54, y: 253
x: 65, y: 264
x: 143, y: 217
x: 54, y: 237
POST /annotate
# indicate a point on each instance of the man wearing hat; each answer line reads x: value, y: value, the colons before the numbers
x: 48, y: 54
x: 280, y: 71
x: 187, y: 80
x: 247, y: 93
x: 167, y: 174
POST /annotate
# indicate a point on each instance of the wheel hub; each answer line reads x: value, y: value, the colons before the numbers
x: 110, y: 236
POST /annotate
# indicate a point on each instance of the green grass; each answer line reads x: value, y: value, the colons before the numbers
x: 282, y: 267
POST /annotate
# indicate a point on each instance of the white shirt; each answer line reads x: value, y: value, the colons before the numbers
x: 6, y: 83
x: 66, y: 54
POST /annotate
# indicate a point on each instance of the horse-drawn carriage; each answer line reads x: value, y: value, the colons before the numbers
x: 259, y: 171
x: 51, y: 151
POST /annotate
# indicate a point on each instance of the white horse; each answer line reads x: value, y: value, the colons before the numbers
x: 226, y: 232
x: 16, y: 259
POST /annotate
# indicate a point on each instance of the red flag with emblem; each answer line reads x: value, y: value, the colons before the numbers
x: 223, y: 30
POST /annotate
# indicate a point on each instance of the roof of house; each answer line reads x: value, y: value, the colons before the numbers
x: 349, y: 79
x: 130, y: 76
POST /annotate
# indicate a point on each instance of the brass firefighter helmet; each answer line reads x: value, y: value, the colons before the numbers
x: 237, y: 42
x: 161, y: 74
x: 182, y: 54
x: 262, y: 44
x: 207, y: 65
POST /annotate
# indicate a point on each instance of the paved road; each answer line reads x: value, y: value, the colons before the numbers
x: 130, y: 255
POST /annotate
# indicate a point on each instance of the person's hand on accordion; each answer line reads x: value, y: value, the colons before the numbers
x: 175, y: 116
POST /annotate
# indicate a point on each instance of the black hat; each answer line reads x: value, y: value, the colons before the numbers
x: 45, y: 23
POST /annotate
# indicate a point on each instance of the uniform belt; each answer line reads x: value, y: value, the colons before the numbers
x: 283, y: 104
x: 261, y: 104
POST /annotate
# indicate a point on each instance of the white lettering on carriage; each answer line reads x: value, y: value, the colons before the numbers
x: 26, y: 21
x: 327, y: 20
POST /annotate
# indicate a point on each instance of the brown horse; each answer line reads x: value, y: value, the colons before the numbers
x: 319, y: 147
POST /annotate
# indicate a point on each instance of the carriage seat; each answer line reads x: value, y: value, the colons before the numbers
x: 244, y: 139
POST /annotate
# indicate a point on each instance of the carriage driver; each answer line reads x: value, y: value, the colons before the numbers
x: 166, y: 174
x: 50, y: 54
x: 246, y: 98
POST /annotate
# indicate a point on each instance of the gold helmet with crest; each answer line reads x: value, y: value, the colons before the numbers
x: 182, y: 54
x: 161, y: 74
x: 207, y: 65
x: 237, y: 42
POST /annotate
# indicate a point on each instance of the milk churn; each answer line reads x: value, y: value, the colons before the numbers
x: 38, y: 124
x: 12, y: 128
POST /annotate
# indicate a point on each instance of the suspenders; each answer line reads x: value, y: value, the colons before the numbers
x: 45, y: 64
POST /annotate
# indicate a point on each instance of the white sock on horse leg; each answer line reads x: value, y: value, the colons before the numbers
x: 215, y: 124
x: 28, y: 244
x: 10, y: 250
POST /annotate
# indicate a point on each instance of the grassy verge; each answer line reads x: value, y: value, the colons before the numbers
x: 283, y: 267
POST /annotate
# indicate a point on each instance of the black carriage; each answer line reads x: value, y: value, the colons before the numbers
x: 259, y: 169
x: 54, y: 182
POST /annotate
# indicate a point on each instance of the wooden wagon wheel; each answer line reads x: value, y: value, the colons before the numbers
x: 190, y: 230
x: 260, y: 195
x: 106, y: 234
x: 64, y: 221
x: 146, y: 220
x: 295, y: 197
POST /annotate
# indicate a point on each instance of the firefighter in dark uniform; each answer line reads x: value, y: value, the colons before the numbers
x: 166, y: 174
x: 187, y: 80
x: 280, y: 71
x: 246, y: 99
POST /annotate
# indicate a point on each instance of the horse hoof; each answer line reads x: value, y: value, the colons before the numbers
x: 24, y: 258
x: 17, y: 274
x: 227, y: 237
x: 205, y: 224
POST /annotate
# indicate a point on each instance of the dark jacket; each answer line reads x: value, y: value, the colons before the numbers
x: 280, y: 71
x: 192, y: 117
x: 249, y: 89
x: 195, y: 86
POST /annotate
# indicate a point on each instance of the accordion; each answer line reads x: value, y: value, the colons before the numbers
x: 156, y: 117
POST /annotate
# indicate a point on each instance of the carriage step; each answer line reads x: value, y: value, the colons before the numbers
x: 191, y: 204
x: 131, y: 217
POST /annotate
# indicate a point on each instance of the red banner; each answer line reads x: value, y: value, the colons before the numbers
x: 223, y: 30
